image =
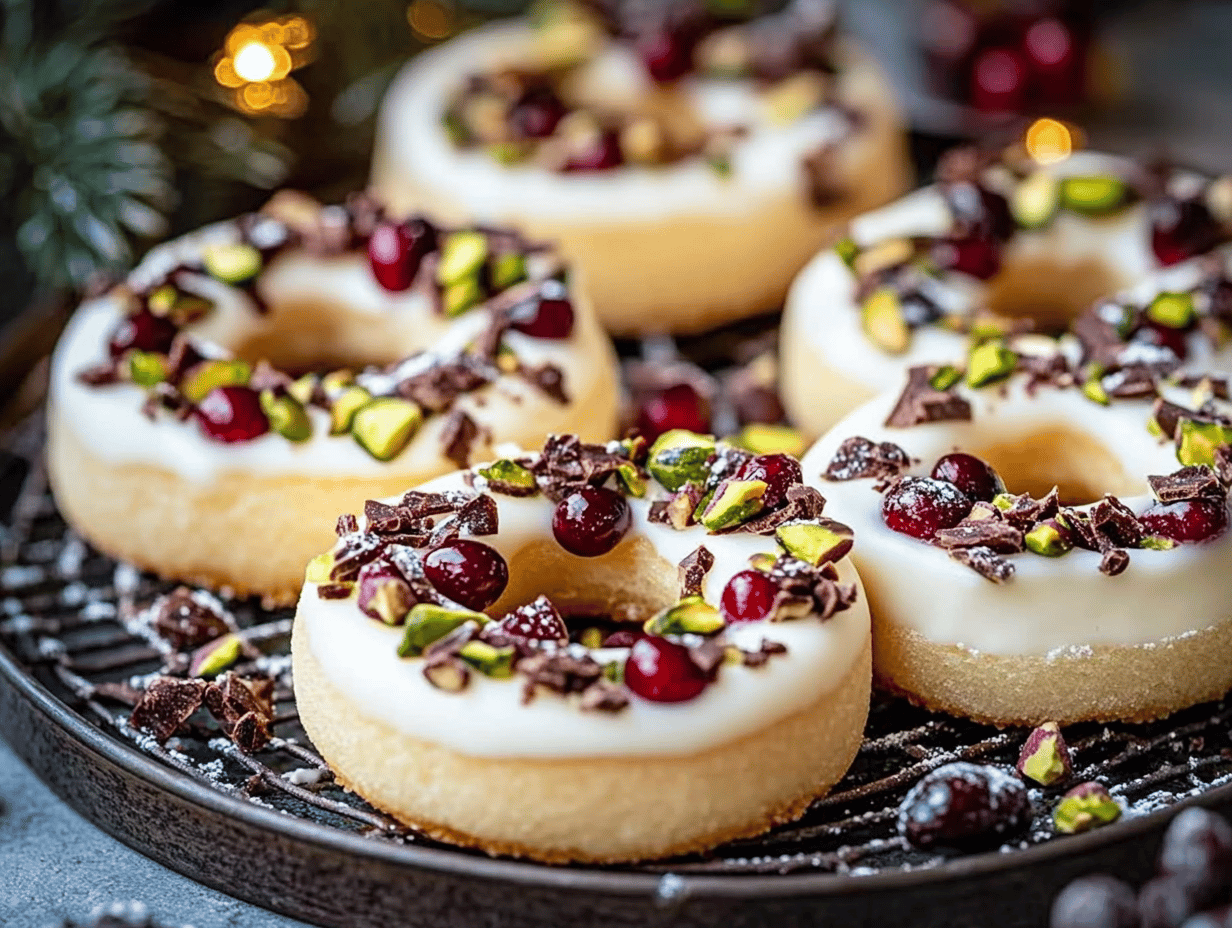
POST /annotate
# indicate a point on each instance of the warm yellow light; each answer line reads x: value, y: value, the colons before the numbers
x: 255, y: 62
x: 1049, y: 141
x: 430, y: 19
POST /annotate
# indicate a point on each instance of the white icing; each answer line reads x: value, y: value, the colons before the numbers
x: 765, y: 162
x: 109, y: 420
x: 359, y: 656
x: 1051, y: 604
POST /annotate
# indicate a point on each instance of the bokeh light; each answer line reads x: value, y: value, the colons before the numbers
x: 430, y: 20
x: 255, y: 62
x: 1049, y: 141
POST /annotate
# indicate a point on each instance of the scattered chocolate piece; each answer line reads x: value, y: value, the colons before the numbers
x: 1192, y: 482
x: 1223, y: 464
x: 858, y: 458
x: 804, y: 503
x: 1116, y: 523
x: 1024, y: 511
x: 1101, y: 342
x: 335, y: 590
x: 707, y: 656
x: 166, y: 704
x: 437, y: 388
x: 822, y: 176
x: 921, y: 402
x: 693, y: 570
x: 101, y: 375
x: 353, y: 552
x: 805, y: 589
x: 998, y: 536
x: 537, y: 621
x: 347, y: 523
x: 985, y: 562
x: 548, y: 378
x: 186, y: 618
x: 559, y: 672
x: 603, y: 696
x: 383, y: 519
x: 458, y: 435
x: 763, y: 654
x: 1134, y: 381
x: 244, y: 709
x: 1114, y: 562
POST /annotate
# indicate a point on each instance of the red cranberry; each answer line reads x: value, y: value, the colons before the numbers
x: 232, y: 414
x: 468, y: 572
x: 662, y: 671
x: 965, y: 807
x: 537, y: 113
x: 623, y: 638
x: 780, y: 472
x: 921, y: 506
x: 998, y: 81
x: 975, y: 255
x: 602, y: 154
x: 971, y: 475
x: 1095, y: 901
x: 143, y: 331
x: 1188, y: 520
x: 395, y: 251
x: 591, y: 521
x: 668, y: 55
x: 1163, y: 336
x: 979, y: 212
x: 1197, y: 852
x: 748, y: 597
x: 1182, y: 229
x: 545, y: 317
x: 678, y: 407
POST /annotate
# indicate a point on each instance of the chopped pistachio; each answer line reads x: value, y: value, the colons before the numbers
x: 591, y: 637
x: 319, y: 568
x: 1045, y: 757
x: 460, y: 296
x: 614, y: 671
x: 507, y: 269
x: 1198, y: 441
x: 763, y: 561
x: 1004, y: 501
x: 733, y: 502
x: 989, y: 363
x: 235, y: 263
x: 1157, y: 543
x: 304, y: 389
x: 692, y: 615
x: 510, y: 477
x: 847, y: 250
x: 489, y: 660
x: 1094, y: 195
x: 385, y: 426
x: 286, y: 416
x: 1086, y: 806
x: 427, y: 623
x: 1173, y: 310
x: 762, y: 438
x: 215, y: 657
x: 169, y: 300
x: 884, y: 322
x: 1048, y: 539
x: 816, y: 542
x: 679, y: 456
x: 334, y: 382
x: 631, y: 480
x: 462, y: 254
x: 885, y: 254
x: 795, y: 97
x: 1035, y: 201
x: 208, y: 375
x: 343, y: 409
x: 509, y: 152
x: 945, y: 377
x: 452, y: 675
x: 147, y: 368
x: 1093, y: 389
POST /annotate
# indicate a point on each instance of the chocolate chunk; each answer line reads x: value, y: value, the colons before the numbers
x: 823, y: 178
x: 1223, y: 464
x: 423, y: 504
x: 806, y: 589
x: 920, y: 402
x: 353, y: 552
x: 559, y: 672
x: 458, y: 435
x: 549, y: 379
x: 1114, y: 562
x: 334, y: 590
x: 437, y: 388
x: 244, y: 709
x: 707, y: 656
x: 1192, y: 482
x: 166, y: 704
x: 693, y: 570
x: 347, y: 523
x: 101, y: 375
x: 478, y: 516
x: 1132, y: 382
x: 763, y: 654
x: 1001, y: 537
x: 985, y: 562
x: 1101, y: 342
x: 603, y: 696
x: 857, y: 458
x: 1025, y: 510
x: 753, y: 395
x: 1114, y: 521
x: 1168, y: 416
x: 383, y: 519
x: 186, y: 618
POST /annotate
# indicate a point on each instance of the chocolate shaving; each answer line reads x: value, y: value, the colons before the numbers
x: 1001, y: 537
x: 101, y: 375
x: 244, y: 709
x: 1134, y: 381
x: 804, y: 504
x: 763, y: 654
x: 920, y: 403
x: 549, y: 379
x: 1101, y: 342
x: 334, y: 590
x: 423, y: 504
x: 458, y: 435
x: 707, y: 656
x: 805, y: 589
x: 1192, y: 482
x: 534, y: 623
x: 166, y: 704
x: 353, y: 552
x: 1114, y: 562
x: 383, y: 519
x: 437, y: 388
x: 603, y: 696
x: 857, y: 458
x: 187, y: 619
x: 1115, y: 523
x: 693, y: 570
x: 1024, y: 511
x: 559, y: 672
x: 347, y: 523
x: 985, y: 562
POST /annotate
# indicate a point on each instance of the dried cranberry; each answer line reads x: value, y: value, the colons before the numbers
x: 545, y: 317
x: 1162, y: 336
x: 748, y: 597
x: 971, y: 475
x: 921, y: 506
x: 667, y: 54
x: 395, y: 251
x: 232, y: 414
x: 1197, y: 851
x: 1187, y: 520
x: 964, y: 807
x: 979, y: 256
x: 780, y: 472
x: 678, y: 407
x: 142, y: 331
x: 602, y: 154
x: 537, y: 113
x: 591, y: 521
x: 468, y: 572
x: 1096, y: 901
x: 662, y: 671
x: 1182, y: 229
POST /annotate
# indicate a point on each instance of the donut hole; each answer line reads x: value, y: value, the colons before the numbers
x: 630, y: 584
x: 1082, y: 468
x: 1048, y: 292
x: 302, y: 337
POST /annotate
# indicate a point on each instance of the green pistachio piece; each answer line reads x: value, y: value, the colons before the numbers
x: 847, y: 249
x: 147, y: 368
x: 427, y: 623
x: 1045, y: 757
x: 591, y: 637
x: 734, y: 501
x: 987, y: 328
x: 510, y: 478
x: 681, y: 511
x: 1095, y: 195
x: 215, y: 657
x: 733, y: 656
x: 452, y: 676
x: 692, y: 615
x: 679, y: 456
x: 1198, y: 441
x: 170, y: 300
x: 614, y: 672
x: 489, y: 660
x: 763, y: 561
x: 1174, y: 310
x: 795, y: 97
x: 945, y: 377
x: 631, y: 480
x: 460, y: 296
x: 1036, y: 200
x: 1157, y: 543
x: 286, y: 416
x: 385, y: 425
x: 888, y: 253
x: 1003, y: 501
x: 462, y: 254
x: 1086, y: 806
x: 232, y: 264
x: 762, y: 438
x: 1093, y: 389
x: 509, y: 152
x: 208, y: 375
x: 1048, y: 539
x: 342, y: 411
x: 303, y: 389
x: 720, y: 162
x: 989, y: 363
x: 335, y: 382
x: 319, y: 568
x: 507, y: 269
x: 884, y: 323
x: 816, y: 542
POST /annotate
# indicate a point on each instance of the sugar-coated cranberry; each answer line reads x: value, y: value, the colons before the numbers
x: 1096, y: 901
x: 922, y: 506
x: 537, y: 113
x: 1192, y: 520
x: 601, y: 154
x: 998, y: 81
x: 965, y: 807
x: 971, y: 475
x: 976, y: 255
x: 780, y: 472
x: 142, y: 331
x: 1163, y: 336
x: 1182, y: 229
x: 545, y: 317
x: 678, y: 407
x: 662, y: 671
x: 1197, y: 851
x: 1166, y: 902
x: 232, y: 414
x: 591, y: 521
x: 748, y: 597
x: 468, y: 572
x: 395, y: 251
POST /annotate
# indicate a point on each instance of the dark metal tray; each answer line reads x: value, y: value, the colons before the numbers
x: 300, y: 845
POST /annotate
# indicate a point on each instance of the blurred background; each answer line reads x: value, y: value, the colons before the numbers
x: 124, y: 121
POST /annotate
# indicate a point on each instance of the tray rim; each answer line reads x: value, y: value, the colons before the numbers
x: 608, y: 882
